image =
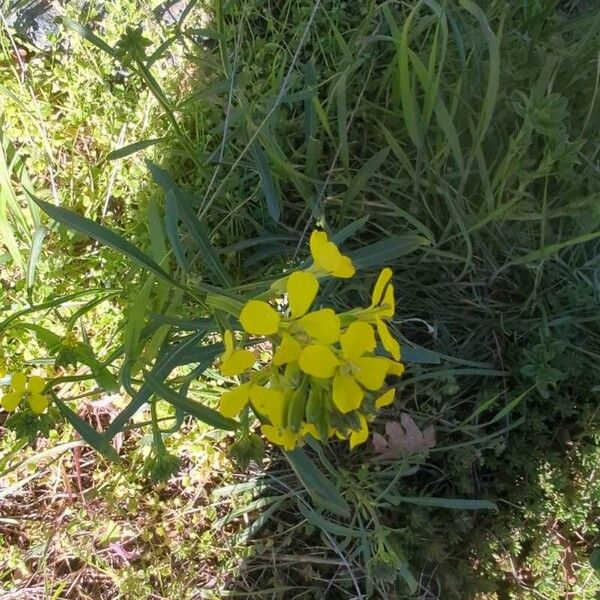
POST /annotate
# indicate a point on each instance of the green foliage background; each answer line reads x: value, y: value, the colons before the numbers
x: 462, y: 138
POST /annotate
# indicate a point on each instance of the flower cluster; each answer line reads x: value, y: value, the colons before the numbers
x: 31, y: 390
x: 324, y: 378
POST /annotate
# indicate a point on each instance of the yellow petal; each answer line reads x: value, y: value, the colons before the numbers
x: 395, y: 368
x: 232, y: 401
x: 302, y: 288
x: 347, y: 394
x: 388, y: 304
x: 309, y: 429
x: 388, y: 341
x: 280, y: 436
x: 269, y: 403
x: 237, y: 362
x: 357, y: 340
x: 288, y: 352
x: 318, y: 241
x: 11, y: 401
x: 38, y: 403
x: 371, y: 371
x: 19, y: 382
x: 259, y: 318
x: 322, y: 325
x: 380, y: 285
x: 385, y: 399
x: 345, y: 269
x: 360, y: 436
x: 318, y: 361
x: 228, y: 343
x: 36, y: 384
x: 328, y: 258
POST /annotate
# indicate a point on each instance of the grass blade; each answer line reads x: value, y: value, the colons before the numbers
x: 387, y: 250
x: 192, y: 223
x: 34, y: 254
x: 133, y: 148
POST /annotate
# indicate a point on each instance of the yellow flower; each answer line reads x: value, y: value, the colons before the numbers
x: 328, y: 259
x: 321, y: 326
x: 22, y: 389
x: 234, y: 361
x: 368, y: 371
x: 383, y: 306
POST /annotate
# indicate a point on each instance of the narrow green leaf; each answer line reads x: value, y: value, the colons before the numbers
x: 133, y: 148
x: 34, y: 254
x: 321, y: 489
x: 266, y: 182
x: 549, y: 250
x: 49, y: 304
x: 358, y: 182
x: 191, y: 222
x: 493, y: 82
x: 172, y: 229
x: 410, y: 112
x: 199, y: 411
x: 450, y: 503
x: 96, y: 440
x: 349, y: 231
x: 595, y: 560
x: 104, y: 235
x: 420, y: 356
x: 387, y: 250
x: 342, y: 119
x: 87, y: 34
x: 324, y: 524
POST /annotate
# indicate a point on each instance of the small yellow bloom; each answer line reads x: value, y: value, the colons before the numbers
x: 328, y: 259
x: 22, y: 389
x: 234, y: 361
x: 259, y: 318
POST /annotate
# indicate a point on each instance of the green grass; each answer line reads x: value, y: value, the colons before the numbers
x: 461, y: 136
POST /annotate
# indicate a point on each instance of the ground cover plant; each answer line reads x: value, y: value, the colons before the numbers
x: 454, y: 142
